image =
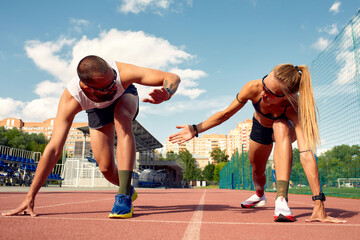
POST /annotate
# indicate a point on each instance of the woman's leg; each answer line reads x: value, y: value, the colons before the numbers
x: 258, y: 157
x: 284, y: 135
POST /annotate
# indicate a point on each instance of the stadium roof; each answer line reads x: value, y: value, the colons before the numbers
x: 143, y: 139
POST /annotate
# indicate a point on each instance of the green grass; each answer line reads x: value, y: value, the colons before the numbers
x: 208, y: 187
x: 329, y: 191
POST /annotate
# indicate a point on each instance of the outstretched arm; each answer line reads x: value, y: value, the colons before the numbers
x: 310, y: 167
x: 150, y: 77
x: 188, y: 131
x: 68, y: 107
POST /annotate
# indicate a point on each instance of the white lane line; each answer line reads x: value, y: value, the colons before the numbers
x: 39, y: 217
x: 192, y: 231
x: 63, y: 204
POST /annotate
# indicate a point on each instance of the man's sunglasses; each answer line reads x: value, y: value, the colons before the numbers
x: 108, y: 87
x: 269, y: 92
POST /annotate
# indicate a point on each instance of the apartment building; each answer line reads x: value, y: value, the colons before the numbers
x: 237, y: 139
x: 46, y: 128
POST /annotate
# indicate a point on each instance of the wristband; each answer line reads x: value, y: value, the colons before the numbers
x: 320, y: 197
x: 196, y: 131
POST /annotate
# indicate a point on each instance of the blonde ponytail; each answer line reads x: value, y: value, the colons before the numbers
x: 307, y: 109
x: 295, y: 79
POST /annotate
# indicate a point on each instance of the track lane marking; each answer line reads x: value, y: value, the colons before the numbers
x: 192, y: 231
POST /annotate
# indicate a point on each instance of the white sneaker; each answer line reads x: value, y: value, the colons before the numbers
x: 282, y: 211
x: 254, y: 201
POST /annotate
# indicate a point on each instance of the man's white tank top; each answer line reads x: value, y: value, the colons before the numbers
x: 86, y: 103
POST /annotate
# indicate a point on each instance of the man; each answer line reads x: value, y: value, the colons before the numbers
x: 111, y: 101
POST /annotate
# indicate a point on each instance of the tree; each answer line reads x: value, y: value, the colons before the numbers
x: 297, y: 172
x: 341, y: 161
x: 198, y: 174
x: 219, y: 156
x: 189, y: 173
x: 217, y: 170
x: 161, y: 158
x: 208, y: 172
x: 171, y: 156
x: 18, y: 139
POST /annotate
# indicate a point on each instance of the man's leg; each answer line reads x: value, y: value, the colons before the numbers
x: 102, y: 145
x: 124, y: 113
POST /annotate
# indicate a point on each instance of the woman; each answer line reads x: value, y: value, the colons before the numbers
x: 284, y: 112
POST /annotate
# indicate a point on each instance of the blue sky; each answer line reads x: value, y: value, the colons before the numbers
x: 215, y: 46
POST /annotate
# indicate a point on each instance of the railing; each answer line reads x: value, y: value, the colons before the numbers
x: 18, y: 166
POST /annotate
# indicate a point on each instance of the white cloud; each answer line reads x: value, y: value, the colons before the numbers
x: 79, y: 24
x: 46, y: 55
x: 60, y: 58
x: 321, y: 44
x: 188, y: 82
x: 156, y: 6
x: 335, y: 8
x: 134, y: 47
x: 345, y: 58
x: 40, y: 109
x: 332, y: 29
x: 137, y: 6
x: 348, y: 70
x: 47, y: 89
x: 175, y: 107
x: 10, y: 108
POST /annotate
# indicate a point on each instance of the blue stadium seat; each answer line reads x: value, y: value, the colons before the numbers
x: 3, y: 165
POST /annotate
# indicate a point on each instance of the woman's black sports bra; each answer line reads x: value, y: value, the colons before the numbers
x: 257, y: 108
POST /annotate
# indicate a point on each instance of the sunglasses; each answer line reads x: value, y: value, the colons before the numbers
x: 108, y: 87
x: 269, y: 92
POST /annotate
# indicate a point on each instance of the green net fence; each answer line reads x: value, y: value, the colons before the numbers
x: 335, y: 77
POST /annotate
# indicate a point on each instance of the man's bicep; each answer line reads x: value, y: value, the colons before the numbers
x: 145, y: 76
x: 67, y: 109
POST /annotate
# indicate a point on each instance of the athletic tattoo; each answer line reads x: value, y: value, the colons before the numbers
x: 170, y: 88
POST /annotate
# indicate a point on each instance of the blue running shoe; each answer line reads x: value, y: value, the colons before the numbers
x: 133, y: 194
x: 123, y: 207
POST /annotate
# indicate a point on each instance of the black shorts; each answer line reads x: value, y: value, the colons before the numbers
x: 261, y: 134
x: 99, y: 117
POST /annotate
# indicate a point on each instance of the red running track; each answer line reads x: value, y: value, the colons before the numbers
x: 172, y: 214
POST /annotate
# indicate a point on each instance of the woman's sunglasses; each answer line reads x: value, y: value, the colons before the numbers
x: 269, y: 92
